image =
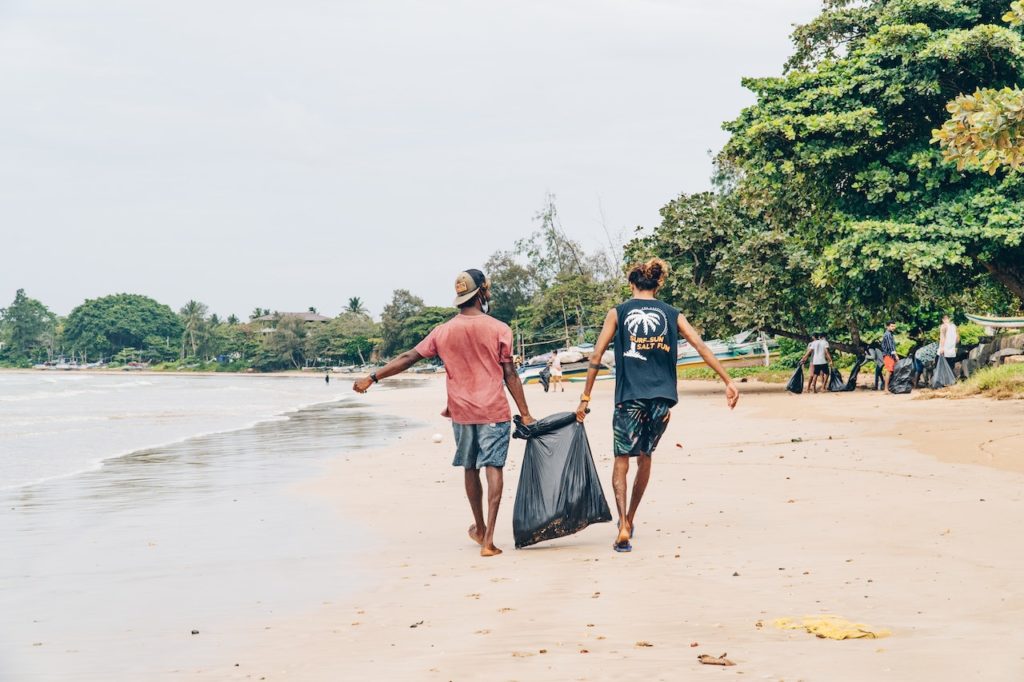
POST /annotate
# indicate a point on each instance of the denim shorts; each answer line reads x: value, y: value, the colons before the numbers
x: 481, y: 445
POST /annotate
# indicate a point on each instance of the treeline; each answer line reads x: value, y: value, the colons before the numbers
x: 124, y: 328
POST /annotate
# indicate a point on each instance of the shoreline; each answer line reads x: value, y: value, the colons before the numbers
x: 117, y: 566
x: 779, y: 509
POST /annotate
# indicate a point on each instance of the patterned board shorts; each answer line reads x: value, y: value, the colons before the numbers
x: 481, y: 445
x: 638, y: 425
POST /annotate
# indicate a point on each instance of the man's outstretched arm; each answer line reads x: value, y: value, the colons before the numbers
x: 732, y: 394
x: 396, y: 366
x: 515, y: 387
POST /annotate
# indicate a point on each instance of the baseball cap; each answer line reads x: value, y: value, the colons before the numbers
x: 467, y: 284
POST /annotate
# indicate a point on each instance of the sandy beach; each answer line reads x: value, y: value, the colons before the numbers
x: 896, y: 513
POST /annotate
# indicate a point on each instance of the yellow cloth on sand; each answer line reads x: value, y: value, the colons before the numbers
x: 831, y: 627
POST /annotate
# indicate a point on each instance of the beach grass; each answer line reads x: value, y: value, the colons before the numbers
x: 1002, y: 383
x: 770, y: 375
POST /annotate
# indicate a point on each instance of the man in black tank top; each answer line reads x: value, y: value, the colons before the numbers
x: 646, y: 333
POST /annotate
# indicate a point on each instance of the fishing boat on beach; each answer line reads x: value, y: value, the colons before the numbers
x: 748, y: 349
x: 575, y: 362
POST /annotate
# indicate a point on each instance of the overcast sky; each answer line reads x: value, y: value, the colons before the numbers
x: 289, y: 154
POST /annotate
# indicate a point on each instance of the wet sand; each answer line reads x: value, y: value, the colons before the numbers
x: 868, y: 506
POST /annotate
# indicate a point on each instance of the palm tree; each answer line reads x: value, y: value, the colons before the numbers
x: 193, y: 316
x: 356, y: 306
x: 232, y: 319
x: 647, y: 321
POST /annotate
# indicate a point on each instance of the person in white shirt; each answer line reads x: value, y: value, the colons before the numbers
x: 556, y: 372
x: 949, y: 337
x: 821, y: 360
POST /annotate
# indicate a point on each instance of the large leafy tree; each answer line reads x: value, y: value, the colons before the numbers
x: 103, y: 326
x: 838, y: 151
x: 348, y: 339
x: 833, y: 208
x: 403, y: 306
x: 27, y: 329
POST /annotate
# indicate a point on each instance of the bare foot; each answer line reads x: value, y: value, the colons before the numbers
x: 490, y: 550
x: 624, y: 530
x: 475, y: 535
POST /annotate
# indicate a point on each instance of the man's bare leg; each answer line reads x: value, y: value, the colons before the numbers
x: 619, y: 486
x: 495, y: 481
x: 643, y: 475
x: 475, y: 493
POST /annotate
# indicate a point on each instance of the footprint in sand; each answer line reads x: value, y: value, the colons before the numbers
x: 505, y: 610
x: 475, y: 595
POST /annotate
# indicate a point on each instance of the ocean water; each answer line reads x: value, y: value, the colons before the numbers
x: 60, y: 423
x: 137, y: 509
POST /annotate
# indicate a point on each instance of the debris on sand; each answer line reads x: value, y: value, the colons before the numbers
x: 711, y: 660
x: 831, y: 627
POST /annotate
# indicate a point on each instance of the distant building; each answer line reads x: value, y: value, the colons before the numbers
x: 270, y: 320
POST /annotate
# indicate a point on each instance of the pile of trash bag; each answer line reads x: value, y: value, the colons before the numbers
x: 796, y: 382
x: 943, y: 375
x: 559, y: 490
x: 902, y: 379
x: 836, y: 383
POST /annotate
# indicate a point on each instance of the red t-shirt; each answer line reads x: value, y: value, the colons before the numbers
x: 473, y: 348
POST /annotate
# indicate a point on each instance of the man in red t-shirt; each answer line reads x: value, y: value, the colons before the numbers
x: 477, y: 354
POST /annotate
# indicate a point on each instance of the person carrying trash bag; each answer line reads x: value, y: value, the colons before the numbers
x: 942, y: 375
x: 646, y: 333
x: 559, y: 490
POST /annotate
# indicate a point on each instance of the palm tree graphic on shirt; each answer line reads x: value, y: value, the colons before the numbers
x: 645, y: 321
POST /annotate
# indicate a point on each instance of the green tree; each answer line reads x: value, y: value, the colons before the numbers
x: 403, y: 306
x: 512, y: 285
x: 27, y: 329
x: 100, y: 327
x: 284, y: 348
x: 835, y: 177
x: 195, y: 328
x: 347, y: 339
x: 986, y: 129
x: 356, y: 305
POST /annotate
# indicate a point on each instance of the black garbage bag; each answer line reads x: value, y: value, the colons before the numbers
x: 943, y: 375
x: 559, y: 491
x: 902, y: 379
x: 851, y: 381
x: 545, y: 378
x: 835, y: 381
x: 796, y: 382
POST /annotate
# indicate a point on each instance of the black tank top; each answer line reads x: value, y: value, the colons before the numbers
x: 645, y: 351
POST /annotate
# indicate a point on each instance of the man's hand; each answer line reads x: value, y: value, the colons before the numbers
x: 362, y: 385
x: 732, y: 395
x: 526, y: 419
x: 581, y: 411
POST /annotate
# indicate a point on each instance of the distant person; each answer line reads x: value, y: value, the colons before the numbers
x: 477, y: 354
x: 924, y: 361
x: 889, y: 356
x: 327, y: 378
x: 875, y: 353
x: 646, y: 332
x: 556, y: 372
x: 949, y: 337
x: 821, y: 361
